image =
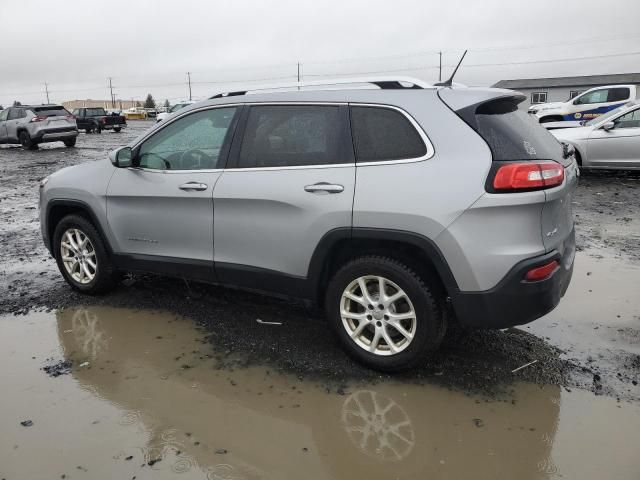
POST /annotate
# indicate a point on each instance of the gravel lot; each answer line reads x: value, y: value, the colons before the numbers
x: 568, y: 344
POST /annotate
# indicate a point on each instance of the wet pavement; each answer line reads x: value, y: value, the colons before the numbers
x: 145, y: 398
x: 183, y: 379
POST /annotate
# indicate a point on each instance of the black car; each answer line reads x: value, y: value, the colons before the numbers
x: 97, y: 119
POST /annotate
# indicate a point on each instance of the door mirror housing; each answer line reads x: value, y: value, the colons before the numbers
x: 608, y: 126
x: 122, y: 157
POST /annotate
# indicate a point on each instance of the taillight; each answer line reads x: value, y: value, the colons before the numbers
x: 71, y: 117
x: 528, y: 175
x: 103, y: 120
x: 542, y: 272
x: 38, y: 118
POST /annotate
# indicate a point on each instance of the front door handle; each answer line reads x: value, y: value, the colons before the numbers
x: 193, y: 186
x: 324, y: 188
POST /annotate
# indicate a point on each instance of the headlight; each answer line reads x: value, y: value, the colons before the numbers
x: 43, y: 182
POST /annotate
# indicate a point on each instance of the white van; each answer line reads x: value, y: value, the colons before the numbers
x: 589, y: 105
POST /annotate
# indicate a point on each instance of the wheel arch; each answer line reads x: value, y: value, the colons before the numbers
x: 551, y: 118
x: 57, y: 209
x: 416, y: 251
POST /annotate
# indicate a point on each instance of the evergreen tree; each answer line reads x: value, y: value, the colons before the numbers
x: 167, y: 105
x: 149, y: 102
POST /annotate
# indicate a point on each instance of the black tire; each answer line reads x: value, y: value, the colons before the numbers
x: 106, y: 276
x: 430, y: 323
x: 26, y: 141
x: 117, y: 129
x: 97, y: 128
x: 70, y: 142
x: 550, y: 119
x: 87, y: 130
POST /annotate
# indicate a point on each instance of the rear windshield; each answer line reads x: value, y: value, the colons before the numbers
x: 95, y: 112
x: 50, y: 111
x: 511, y: 134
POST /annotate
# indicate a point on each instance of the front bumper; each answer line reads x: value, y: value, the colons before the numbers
x: 515, y: 301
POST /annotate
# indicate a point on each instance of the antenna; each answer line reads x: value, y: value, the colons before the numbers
x: 449, y: 82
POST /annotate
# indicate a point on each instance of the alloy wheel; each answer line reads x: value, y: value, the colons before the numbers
x: 378, y: 315
x: 78, y: 256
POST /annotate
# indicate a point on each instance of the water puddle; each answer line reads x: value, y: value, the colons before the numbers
x: 143, y: 399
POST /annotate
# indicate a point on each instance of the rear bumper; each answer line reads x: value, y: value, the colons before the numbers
x: 53, y: 135
x: 515, y: 301
x: 115, y: 125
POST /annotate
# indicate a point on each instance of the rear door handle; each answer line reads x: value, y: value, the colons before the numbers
x: 193, y: 186
x: 324, y: 188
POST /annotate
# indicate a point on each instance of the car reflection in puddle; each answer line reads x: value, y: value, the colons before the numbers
x: 145, y: 396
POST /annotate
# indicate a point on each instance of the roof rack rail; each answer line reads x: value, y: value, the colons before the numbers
x: 384, y: 83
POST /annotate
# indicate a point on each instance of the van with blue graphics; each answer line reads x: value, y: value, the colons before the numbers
x: 587, y: 106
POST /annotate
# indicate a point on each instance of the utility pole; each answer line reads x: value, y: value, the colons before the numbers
x: 298, y: 75
x: 113, y: 100
x: 189, y: 80
x: 46, y: 89
x: 440, y: 71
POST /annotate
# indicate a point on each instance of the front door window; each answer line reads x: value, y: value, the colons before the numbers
x: 193, y: 142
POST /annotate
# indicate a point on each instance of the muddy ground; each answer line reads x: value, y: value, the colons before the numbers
x: 124, y: 362
x: 607, y: 211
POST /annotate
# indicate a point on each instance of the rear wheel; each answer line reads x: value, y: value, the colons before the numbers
x: 70, y: 142
x: 82, y: 257
x: 384, y: 315
x: 97, y: 128
x: 117, y: 129
x: 26, y: 141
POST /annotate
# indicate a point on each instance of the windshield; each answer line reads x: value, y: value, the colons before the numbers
x: 177, y: 107
x: 609, y: 114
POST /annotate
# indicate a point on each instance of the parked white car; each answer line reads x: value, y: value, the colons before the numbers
x: 587, y: 106
x: 174, y: 108
x: 610, y: 141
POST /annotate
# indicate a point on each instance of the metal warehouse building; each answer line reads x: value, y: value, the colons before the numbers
x: 561, y: 89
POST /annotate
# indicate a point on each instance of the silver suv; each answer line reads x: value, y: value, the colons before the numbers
x: 30, y: 125
x: 402, y: 209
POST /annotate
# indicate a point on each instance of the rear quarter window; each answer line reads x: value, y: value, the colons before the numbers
x: 511, y: 133
x: 381, y: 134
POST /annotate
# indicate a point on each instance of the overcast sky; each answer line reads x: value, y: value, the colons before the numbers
x: 149, y: 45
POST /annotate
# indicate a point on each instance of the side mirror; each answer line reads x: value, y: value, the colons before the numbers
x: 608, y: 126
x: 122, y: 157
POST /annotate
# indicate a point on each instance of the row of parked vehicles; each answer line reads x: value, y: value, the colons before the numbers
x: 30, y: 125
x: 602, y: 125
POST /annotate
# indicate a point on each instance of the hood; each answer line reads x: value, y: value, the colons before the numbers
x: 576, y: 133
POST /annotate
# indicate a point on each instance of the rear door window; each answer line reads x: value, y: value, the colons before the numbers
x: 619, y: 94
x: 511, y: 133
x: 14, y: 114
x: 381, y: 134
x: 295, y: 135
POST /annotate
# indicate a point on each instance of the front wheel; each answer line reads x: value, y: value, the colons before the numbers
x: 384, y: 314
x: 70, y: 142
x: 82, y: 257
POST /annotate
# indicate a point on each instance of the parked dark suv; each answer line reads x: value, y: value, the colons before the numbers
x: 400, y: 208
